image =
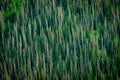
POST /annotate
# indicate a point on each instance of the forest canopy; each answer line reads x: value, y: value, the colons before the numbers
x: 60, y: 39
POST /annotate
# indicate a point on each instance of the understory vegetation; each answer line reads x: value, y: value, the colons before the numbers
x: 59, y: 39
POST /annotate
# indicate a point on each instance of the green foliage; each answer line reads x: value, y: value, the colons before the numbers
x: 59, y: 39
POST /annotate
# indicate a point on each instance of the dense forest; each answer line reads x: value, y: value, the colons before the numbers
x: 59, y: 39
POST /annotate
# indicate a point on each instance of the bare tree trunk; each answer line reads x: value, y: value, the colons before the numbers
x: 1, y: 29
